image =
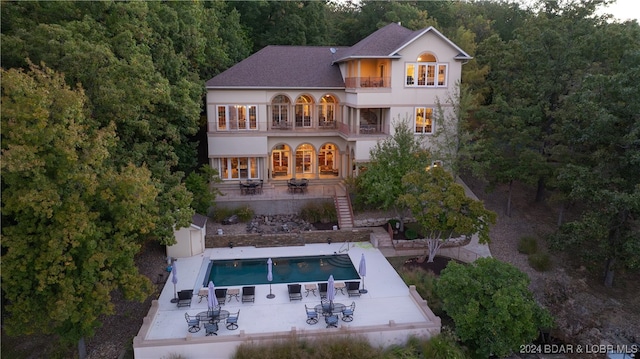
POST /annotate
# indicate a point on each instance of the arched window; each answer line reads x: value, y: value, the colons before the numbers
x: 426, y: 72
x: 304, y: 104
x: 327, y: 160
x: 326, y: 111
x: 280, y: 111
x: 304, y: 158
x: 280, y: 161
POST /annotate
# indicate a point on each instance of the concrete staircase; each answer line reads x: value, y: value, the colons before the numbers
x: 345, y: 214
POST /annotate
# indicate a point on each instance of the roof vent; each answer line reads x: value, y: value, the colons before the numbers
x: 333, y: 50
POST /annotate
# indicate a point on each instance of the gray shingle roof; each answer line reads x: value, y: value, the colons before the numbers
x: 382, y: 43
x: 199, y: 220
x: 284, y: 67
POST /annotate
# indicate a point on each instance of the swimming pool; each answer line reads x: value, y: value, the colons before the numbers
x: 237, y: 272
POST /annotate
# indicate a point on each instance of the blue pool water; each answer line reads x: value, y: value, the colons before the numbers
x: 238, y: 272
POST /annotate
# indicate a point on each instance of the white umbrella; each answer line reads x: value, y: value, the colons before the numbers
x: 174, y: 280
x: 331, y: 290
x: 362, y: 269
x: 211, y: 297
x: 270, y: 277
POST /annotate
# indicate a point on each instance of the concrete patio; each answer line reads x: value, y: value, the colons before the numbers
x: 387, y: 314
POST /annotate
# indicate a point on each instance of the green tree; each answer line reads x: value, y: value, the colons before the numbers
x: 72, y: 222
x: 200, y: 182
x: 390, y: 160
x: 442, y: 208
x: 493, y: 310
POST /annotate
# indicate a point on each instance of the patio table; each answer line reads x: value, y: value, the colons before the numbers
x: 205, y: 317
x: 336, y: 309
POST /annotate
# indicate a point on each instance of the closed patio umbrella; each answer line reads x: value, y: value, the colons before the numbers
x: 174, y: 280
x: 362, y: 270
x: 270, y: 277
x: 331, y: 290
x: 211, y: 297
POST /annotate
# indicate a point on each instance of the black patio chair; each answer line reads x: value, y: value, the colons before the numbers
x: 312, y: 315
x: 184, y: 298
x: 347, y: 312
x: 193, y: 323
x: 221, y: 295
x: 295, y: 291
x: 232, y: 320
x: 211, y: 328
x: 353, y: 289
x: 248, y: 294
x: 322, y: 289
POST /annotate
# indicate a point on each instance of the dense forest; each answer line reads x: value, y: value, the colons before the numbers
x: 103, y: 107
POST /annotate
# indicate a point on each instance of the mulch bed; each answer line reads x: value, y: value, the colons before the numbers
x: 438, y: 264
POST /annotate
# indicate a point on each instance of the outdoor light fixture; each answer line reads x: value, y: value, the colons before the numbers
x: 328, y: 240
x: 230, y: 244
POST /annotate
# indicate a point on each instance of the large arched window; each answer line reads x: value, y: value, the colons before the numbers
x: 426, y: 72
x: 327, y: 112
x: 280, y: 161
x: 328, y: 160
x: 305, y: 153
x: 280, y: 111
x: 304, y: 105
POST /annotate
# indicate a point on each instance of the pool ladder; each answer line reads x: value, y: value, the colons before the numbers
x: 342, y: 249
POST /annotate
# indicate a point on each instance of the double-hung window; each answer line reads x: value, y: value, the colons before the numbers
x: 424, y: 120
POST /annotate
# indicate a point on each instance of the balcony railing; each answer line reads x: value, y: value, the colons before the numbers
x: 367, y: 82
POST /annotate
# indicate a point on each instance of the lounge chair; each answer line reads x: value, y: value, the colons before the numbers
x: 184, y: 298
x: 211, y: 328
x: 331, y: 320
x: 295, y: 291
x: 221, y: 295
x: 353, y: 289
x: 312, y: 315
x: 322, y: 289
x: 193, y: 323
x: 232, y: 320
x: 248, y: 294
x: 347, y: 313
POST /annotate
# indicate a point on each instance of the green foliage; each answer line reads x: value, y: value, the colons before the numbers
x: 443, y: 346
x: 394, y: 223
x: 425, y: 286
x: 72, y: 220
x: 391, y: 159
x: 199, y: 184
x: 220, y: 213
x: 491, y: 305
x: 411, y: 233
x: 245, y: 213
x: 540, y: 261
x: 441, y: 207
x: 324, y: 212
x: 294, y: 348
x: 527, y: 245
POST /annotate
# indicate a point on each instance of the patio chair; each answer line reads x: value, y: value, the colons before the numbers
x: 211, y: 328
x: 353, y: 289
x: 232, y: 320
x: 221, y: 295
x: 312, y: 315
x: 295, y: 291
x: 331, y: 320
x: 347, y: 313
x: 248, y: 294
x: 327, y: 307
x: 322, y: 289
x: 193, y: 323
x: 184, y: 298
x: 213, y: 313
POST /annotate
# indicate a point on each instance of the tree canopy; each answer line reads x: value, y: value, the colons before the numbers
x: 72, y: 221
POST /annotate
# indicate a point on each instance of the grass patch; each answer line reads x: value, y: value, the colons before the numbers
x: 528, y: 245
x: 244, y: 214
x: 425, y: 286
x: 323, y: 212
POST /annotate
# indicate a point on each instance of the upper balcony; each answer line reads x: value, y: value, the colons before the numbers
x: 367, y: 82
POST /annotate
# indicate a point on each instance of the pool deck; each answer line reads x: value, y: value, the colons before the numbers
x: 387, y: 314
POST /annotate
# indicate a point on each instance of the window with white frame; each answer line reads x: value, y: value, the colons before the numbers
x: 231, y: 168
x: 424, y: 120
x: 426, y: 72
x: 237, y: 117
x: 280, y: 111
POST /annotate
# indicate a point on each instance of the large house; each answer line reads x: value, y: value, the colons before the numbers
x: 313, y: 112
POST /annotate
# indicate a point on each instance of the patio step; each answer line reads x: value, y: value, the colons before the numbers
x: 343, y: 209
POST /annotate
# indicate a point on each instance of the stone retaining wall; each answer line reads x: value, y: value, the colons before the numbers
x: 287, y: 239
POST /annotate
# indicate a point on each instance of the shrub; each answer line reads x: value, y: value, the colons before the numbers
x: 540, y: 261
x: 425, y: 283
x: 324, y: 212
x: 219, y: 214
x: 245, y: 213
x: 527, y: 245
x: 443, y: 346
x: 410, y: 233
